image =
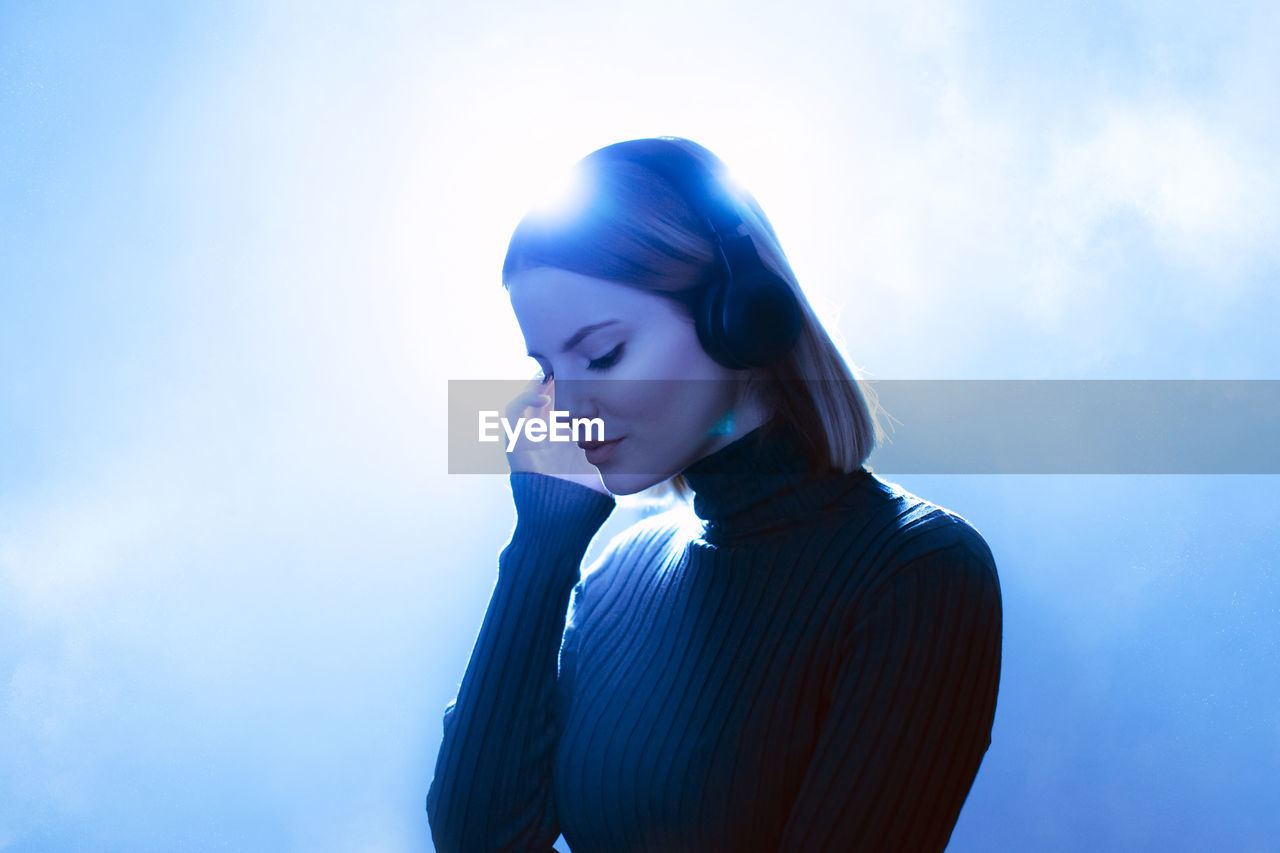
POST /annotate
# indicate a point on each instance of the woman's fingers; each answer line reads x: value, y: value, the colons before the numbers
x: 556, y: 458
x: 534, y: 396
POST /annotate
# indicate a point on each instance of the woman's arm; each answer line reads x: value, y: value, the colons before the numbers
x: 912, y: 702
x: 492, y: 785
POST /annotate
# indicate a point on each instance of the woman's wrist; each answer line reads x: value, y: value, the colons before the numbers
x: 570, y: 505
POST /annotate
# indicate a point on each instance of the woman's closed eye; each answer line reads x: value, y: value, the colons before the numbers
x: 602, y: 363
x: 606, y: 361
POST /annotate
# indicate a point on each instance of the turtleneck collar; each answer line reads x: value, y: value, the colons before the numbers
x: 761, y: 482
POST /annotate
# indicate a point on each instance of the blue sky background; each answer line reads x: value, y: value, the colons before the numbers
x: 243, y: 248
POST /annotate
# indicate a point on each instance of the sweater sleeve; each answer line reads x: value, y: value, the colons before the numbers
x: 492, y: 784
x: 912, y: 702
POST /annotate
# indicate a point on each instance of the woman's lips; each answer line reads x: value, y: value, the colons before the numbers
x: 599, y: 452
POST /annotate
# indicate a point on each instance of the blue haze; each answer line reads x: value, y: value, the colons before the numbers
x: 244, y: 246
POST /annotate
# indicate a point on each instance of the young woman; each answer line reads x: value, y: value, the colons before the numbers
x: 807, y: 661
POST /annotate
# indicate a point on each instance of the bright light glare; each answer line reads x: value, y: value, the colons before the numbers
x: 561, y: 195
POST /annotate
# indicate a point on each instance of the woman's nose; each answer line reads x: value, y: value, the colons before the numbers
x: 575, y: 396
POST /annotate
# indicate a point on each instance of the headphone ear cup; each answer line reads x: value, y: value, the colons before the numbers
x: 751, y: 321
x: 761, y: 318
x: 709, y: 321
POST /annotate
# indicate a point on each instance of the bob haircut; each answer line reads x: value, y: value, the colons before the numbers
x: 632, y: 227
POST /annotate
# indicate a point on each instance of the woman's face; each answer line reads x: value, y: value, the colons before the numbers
x: 592, y: 335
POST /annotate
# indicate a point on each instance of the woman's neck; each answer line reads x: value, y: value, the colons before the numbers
x: 745, y: 416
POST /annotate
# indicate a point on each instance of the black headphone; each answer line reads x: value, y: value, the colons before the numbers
x: 747, y: 315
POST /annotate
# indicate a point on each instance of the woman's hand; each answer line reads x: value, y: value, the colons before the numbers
x: 563, y: 459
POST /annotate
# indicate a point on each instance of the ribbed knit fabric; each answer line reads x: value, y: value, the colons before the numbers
x: 810, y: 663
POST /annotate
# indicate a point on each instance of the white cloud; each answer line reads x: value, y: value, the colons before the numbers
x: 1206, y: 197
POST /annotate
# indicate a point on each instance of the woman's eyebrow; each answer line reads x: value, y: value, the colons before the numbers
x: 576, y: 337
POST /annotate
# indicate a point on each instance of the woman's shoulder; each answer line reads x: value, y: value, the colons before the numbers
x: 634, y: 551
x: 899, y: 539
x: 909, y: 527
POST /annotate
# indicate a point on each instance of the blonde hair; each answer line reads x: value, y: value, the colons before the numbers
x: 632, y: 227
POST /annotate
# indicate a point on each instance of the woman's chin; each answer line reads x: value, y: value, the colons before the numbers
x: 627, y: 484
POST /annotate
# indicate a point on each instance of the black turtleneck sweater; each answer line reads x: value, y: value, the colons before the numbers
x: 810, y: 663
